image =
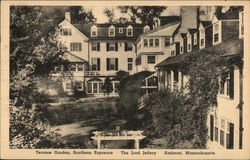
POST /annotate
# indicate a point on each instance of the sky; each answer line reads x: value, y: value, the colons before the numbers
x: 101, y: 18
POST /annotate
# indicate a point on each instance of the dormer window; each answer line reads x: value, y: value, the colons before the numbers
x: 216, y: 33
x: 130, y: 31
x: 93, y: 31
x: 202, y: 38
x: 146, y: 29
x: 195, y: 38
x: 112, y: 31
x: 189, y: 43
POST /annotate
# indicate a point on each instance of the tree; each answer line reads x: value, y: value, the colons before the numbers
x: 107, y: 86
x: 80, y: 15
x: 110, y: 14
x: 33, y: 51
x: 145, y: 14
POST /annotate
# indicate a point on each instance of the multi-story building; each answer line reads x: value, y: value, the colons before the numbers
x: 225, y: 124
x: 154, y: 46
x: 104, y: 50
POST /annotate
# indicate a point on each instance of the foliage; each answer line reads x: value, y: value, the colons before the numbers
x: 107, y: 86
x: 33, y: 51
x: 172, y: 114
x: 129, y: 91
x: 80, y: 15
x: 182, y: 119
x: 110, y: 14
x: 145, y: 14
x: 122, y: 75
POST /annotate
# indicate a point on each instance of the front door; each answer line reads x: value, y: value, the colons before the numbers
x: 95, y: 87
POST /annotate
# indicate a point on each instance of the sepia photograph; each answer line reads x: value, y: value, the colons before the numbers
x: 88, y: 79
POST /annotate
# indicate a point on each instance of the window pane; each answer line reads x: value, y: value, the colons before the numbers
x: 151, y: 59
x: 145, y: 42
x: 111, y: 46
x: 222, y: 137
x: 216, y: 37
x: 100, y: 87
x: 151, y: 42
x: 89, y: 87
x: 80, y: 67
x: 156, y: 42
x: 167, y: 42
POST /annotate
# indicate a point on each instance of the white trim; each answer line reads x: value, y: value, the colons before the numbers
x: 73, y: 27
x: 130, y: 27
x: 94, y: 27
x: 111, y: 27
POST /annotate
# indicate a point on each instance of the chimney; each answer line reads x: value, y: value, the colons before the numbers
x: 189, y: 18
x: 67, y: 16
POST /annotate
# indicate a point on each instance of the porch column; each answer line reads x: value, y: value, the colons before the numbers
x: 172, y: 80
x: 180, y: 80
x: 137, y: 144
x: 98, y: 144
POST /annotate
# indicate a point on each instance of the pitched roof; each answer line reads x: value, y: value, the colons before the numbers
x: 73, y: 58
x: 103, y: 31
x: 165, y: 30
x: 206, y: 23
x: 230, y: 48
x: 192, y: 31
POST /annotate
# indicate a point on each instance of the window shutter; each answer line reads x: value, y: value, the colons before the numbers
x: 71, y: 46
x: 116, y: 64
x: 98, y: 46
x: 80, y: 46
x: 116, y: 46
x: 107, y: 64
x: 98, y: 64
x: 231, y: 83
x: 126, y: 46
x: 107, y: 46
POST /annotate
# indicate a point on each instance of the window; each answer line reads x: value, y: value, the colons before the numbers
x: 95, y: 46
x: 227, y: 83
x: 230, y: 136
x: 79, y: 67
x: 145, y: 42
x: 130, y: 64
x: 181, y: 49
x: 172, y: 53
x: 216, y: 37
x: 112, y: 64
x: 202, y: 42
x: 195, y: 38
x: 216, y: 134
x: 112, y: 31
x: 151, y: 42
x: 75, y: 46
x: 112, y: 46
x: 89, y: 87
x: 120, y: 30
x: 130, y: 31
x: 93, y: 31
x: 222, y: 137
x: 167, y: 42
x: 68, y: 86
x: 73, y: 67
x: 189, y: 47
x: 66, y: 32
x: 151, y: 59
x: 95, y: 64
x: 116, y: 86
x: 128, y: 46
x: 156, y: 42
x: 100, y: 87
